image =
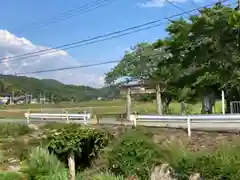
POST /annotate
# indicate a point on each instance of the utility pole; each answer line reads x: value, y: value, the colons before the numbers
x: 44, y: 97
x: 52, y: 99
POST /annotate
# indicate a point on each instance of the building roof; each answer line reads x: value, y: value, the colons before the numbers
x: 136, y: 84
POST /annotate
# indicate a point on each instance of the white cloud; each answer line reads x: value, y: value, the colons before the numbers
x: 158, y: 3
x: 10, y: 45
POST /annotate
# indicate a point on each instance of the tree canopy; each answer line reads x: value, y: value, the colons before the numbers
x: 200, y: 55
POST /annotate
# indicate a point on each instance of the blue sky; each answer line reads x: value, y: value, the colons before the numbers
x: 17, y: 14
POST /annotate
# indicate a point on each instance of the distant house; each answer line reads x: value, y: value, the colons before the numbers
x: 99, y: 98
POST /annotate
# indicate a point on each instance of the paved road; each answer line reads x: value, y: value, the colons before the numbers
x: 231, y: 125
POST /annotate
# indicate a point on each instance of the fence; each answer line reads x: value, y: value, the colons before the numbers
x: 235, y: 107
x: 203, y: 120
x: 56, y: 116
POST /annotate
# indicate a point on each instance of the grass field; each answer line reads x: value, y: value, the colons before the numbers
x: 99, y: 108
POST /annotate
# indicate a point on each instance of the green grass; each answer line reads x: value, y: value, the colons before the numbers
x: 106, y: 108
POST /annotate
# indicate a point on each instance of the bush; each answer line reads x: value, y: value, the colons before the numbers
x: 11, y: 176
x: 183, y: 165
x: 83, y: 142
x: 56, y: 126
x: 221, y: 164
x: 102, y: 176
x: 42, y: 165
x: 13, y: 130
x: 134, y: 154
x: 20, y: 147
x: 107, y: 177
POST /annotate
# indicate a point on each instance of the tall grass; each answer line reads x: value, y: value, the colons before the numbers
x: 42, y: 165
x: 13, y: 130
x: 11, y: 176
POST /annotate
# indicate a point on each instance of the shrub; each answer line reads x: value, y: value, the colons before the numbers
x: 83, y: 142
x: 11, y: 176
x: 102, y: 176
x: 134, y: 154
x: 20, y: 147
x: 107, y: 177
x: 221, y: 164
x: 42, y: 165
x: 179, y: 158
x: 56, y: 126
x: 183, y: 165
x: 13, y: 130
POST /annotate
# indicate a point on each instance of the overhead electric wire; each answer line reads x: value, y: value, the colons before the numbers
x: 63, y: 16
x: 98, y: 38
x: 66, y: 68
x: 77, y: 67
x: 176, y: 6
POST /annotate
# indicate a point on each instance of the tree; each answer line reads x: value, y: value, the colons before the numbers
x: 206, y: 48
x: 200, y: 56
x: 140, y: 64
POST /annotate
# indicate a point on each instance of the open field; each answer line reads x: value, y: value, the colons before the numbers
x: 106, y: 108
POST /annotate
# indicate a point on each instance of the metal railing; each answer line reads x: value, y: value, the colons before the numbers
x: 63, y: 116
x: 213, y: 119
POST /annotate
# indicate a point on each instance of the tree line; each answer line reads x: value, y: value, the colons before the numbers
x: 200, y: 56
x: 52, y: 89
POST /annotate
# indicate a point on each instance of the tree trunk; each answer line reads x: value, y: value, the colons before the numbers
x: 159, y: 100
x: 128, y: 105
x: 71, y: 166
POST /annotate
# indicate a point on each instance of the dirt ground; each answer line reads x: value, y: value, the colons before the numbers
x: 199, y: 141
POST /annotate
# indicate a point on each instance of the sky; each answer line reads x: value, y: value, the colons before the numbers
x: 18, y: 35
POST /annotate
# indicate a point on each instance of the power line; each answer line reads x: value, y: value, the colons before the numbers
x: 82, y: 66
x: 176, y: 6
x: 119, y: 33
x: 64, y: 16
x: 93, y: 42
x: 87, y: 65
x: 101, y: 36
x: 66, y: 68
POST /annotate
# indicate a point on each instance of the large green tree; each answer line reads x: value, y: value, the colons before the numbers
x: 206, y: 47
x: 199, y: 56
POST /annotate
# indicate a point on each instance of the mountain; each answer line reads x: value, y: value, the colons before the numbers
x: 20, y: 85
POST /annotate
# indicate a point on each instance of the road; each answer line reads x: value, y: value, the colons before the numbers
x: 231, y: 125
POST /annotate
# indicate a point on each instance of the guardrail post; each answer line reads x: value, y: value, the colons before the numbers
x: 134, y: 119
x: 28, y: 118
x: 85, y: 118
x: 67, y: 117
x: 189, y: 126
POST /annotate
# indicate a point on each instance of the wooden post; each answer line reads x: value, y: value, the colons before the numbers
x: 159, y: 100
x: 223, y: 102
x: 71, y: 166
x: 128, y: 105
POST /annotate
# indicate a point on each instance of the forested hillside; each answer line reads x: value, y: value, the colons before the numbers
x: 20, y: 85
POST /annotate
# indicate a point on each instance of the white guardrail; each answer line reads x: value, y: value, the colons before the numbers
x: 214, y: 119
x: 188, y: 121
x: 64, y: 116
